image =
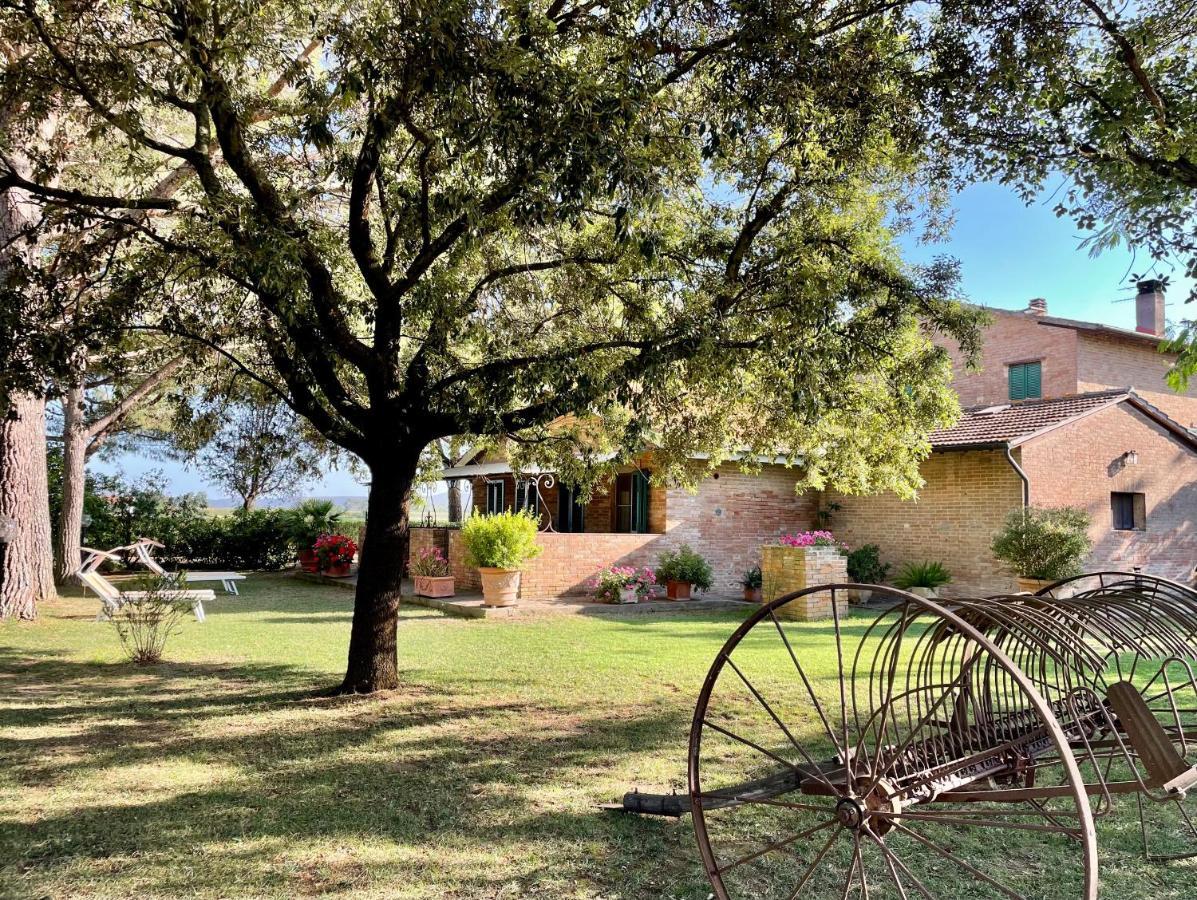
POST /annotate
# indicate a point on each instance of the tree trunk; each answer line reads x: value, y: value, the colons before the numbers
x: 27, y: 576
x: 455, y: 500
x: 373, y: 661
x: 67, y: 552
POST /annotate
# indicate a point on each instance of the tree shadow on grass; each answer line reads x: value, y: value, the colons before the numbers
x: 455, y: 792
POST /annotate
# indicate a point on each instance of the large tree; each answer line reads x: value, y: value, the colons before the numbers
x: 588, y: 226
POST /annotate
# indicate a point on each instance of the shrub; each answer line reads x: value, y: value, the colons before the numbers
x: 334, y: 551
x: 503, y: 540
x: 430, y: 563
x: 1047, y: 544
x: 146, y: 620
x: 253, y: 540
x: 810, y: 539
x: 752, y: 578
x: 609, y: 582
x: 309, y: 520
x: 924, y: 574
x: 865, y: 565
x: 685, y: 565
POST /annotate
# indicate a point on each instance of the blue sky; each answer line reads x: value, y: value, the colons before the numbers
x: 1008, y: 253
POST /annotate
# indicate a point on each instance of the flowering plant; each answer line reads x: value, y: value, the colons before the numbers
x: 608, y: 583
x: 430, y: 563
x: 810, y: 539
x: 334, y: 550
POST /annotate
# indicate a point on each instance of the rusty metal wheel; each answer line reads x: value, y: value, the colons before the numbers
x: 853, y: 757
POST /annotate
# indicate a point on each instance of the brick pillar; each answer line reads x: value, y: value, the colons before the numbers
x: 788, y: 569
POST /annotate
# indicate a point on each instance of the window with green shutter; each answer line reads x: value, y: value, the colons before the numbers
x: 1026, y: 381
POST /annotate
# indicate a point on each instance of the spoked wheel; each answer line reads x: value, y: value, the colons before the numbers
x: 852, y: 758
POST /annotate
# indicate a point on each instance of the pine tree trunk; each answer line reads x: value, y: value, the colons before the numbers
x: 454, y: 500
x: 373, y: 662
x: 67, y: 552
x: 27, y: 576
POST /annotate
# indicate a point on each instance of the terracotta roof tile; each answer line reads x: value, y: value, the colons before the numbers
x: 983, y: 426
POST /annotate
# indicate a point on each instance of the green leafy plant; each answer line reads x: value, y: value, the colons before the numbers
x: 503, y: 540
x: 865, y: 565
x: 430, y: 563
x: 310, y: 519
x: 1044, y: 543
x: 752, y: 578
x: 149, y: 616
x: 924, y: 575
x: 685, y: 565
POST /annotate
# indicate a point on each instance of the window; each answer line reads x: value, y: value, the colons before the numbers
x: 571, y: 514
x: 631, y: 503
x: 1026, y: 381
x: 1129, y: 511
x: 495, y: 498
x: 526, y: 497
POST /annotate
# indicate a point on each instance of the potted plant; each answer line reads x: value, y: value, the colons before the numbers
x: 431, y: 574
x: 751, y: 581
x: 334, y: 554
x: 499, y: 545
x: 305, y: 524
x: 923, y: 579
x: 865, y: 567
x: 1043, y: 545
x: 682, y: 570
x: 623, y: 584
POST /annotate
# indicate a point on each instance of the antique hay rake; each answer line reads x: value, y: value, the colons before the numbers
x: 945, y: 749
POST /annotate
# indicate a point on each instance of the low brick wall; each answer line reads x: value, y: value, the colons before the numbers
x: 785, y: 570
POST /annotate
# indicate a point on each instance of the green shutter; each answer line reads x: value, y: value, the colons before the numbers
x: 1018, y: 382
x: 639, y: 502
x: 1033, y: 379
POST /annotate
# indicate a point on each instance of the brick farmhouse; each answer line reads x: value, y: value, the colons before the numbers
x: 1059, y: 412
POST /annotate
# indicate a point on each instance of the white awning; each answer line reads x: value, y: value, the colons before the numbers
x: 479, y: 470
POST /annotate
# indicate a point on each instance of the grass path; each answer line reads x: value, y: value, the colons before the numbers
x: 220, y: 775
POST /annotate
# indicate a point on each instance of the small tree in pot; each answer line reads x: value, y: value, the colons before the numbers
x: 499, y: 545
x: 1043, y: 545
x: 751, y: 581
x: 924, y: 579
x: 681, y: 570
x: 304, y: 526
x: 865, y: 567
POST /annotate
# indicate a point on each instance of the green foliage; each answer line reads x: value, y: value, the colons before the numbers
x: 922, y: 574
x: 1044, y: 543
x: 310, y: 519
x: 145, y: 621
x: 865, y: 565
x: 254, y: 540
x: 752, y: 578
x: 685, y: 564
x: 503, y: 540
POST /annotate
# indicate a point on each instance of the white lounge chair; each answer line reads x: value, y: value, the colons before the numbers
x: 143, y: 548
x: 113, y: 598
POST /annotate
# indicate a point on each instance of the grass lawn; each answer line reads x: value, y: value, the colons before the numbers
x: 219, y: 775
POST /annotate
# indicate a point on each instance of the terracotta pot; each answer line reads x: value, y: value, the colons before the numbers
x: 677, y: 590
x: 308, y: 561
x: 1032, y: 585
x: 500, y: 587
x: 752, y: 595
x: 340, y: 571
x: 434, y: 585
x: 628, y: 595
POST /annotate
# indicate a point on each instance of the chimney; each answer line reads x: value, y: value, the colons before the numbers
x: 1037, y: 306
x: 1149, y: 307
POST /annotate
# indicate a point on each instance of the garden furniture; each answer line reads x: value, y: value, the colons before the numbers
x: 113, y: 598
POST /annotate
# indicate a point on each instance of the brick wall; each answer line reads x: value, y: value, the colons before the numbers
x: 1104, y: 361
x: 964, y: 501
x: 1080, y: 465
x: 726, y: 519
x: 1016, y: 337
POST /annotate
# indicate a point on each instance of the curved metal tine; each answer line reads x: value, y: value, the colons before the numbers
x: 947, y: 854
x: 776, y: 845
x: 839, y: 653
x: 806, y: 682
x: 780, y: 724
x: 889, y: 664
x: 970, y: 823
x: 883, y: 641
x: 815, y: 863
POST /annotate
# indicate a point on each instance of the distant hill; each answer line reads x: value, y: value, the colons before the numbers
x: 353, y: 505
